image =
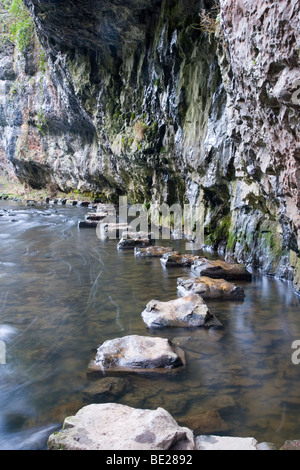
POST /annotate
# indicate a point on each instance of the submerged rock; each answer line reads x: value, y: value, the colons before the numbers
x: 135, y: 353
x: 218, y: 269
x: 113, y: 426
x: 210, y: 288
x: 106, y: 388
x: 153, y: 251
x: 206, y: 422
x: 188, y: 311
x: 178, y: 260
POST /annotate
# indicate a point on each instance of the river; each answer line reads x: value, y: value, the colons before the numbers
x: 63, y: 292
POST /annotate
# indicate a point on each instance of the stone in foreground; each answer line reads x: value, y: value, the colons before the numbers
x: 153, y: 251
x: 188, y: 311
x: 178, y: 260
x: 210, y: 288
x: 139, y: 354
x: 218, y: 269
x: 210, y: 442
x: 113, y: 426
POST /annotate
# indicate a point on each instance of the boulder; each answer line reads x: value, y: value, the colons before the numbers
x: 178, y: 260
x: 132, y: 243
x: 218, y: 269
x: 153, y: 251
x: 210, y: 288
x: 212, y: 442
x: 113, y: 426
x: 188, y: 311
x: 135, y: 353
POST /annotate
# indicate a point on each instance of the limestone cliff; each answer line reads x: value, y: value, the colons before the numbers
x: 136, y: 98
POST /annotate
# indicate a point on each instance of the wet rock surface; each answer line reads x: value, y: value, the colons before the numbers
x: 132, y: 243
x: 134, y: 353
x: 178, y: 260
x: 189, y: 311
x: 218, y: 269
x: 210, y: 288
x: 153, y: 251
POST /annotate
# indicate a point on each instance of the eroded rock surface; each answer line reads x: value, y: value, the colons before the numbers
x: 189, y: 311
x: 218, y: 269
x: 153, y: 251
x: 178, y: 260
x: 210, y: 288
x: 113, y: 426
x: 134, y: 353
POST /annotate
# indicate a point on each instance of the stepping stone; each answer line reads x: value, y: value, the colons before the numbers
x: 96, y: 216
x: 218, y: 269
x: 135, y: 353
x: 153, y: 251
x: 132, y: 243
x: 212, y: 442
x: 189, y: 311
x: 87, y: 224
x: 71, y: 202
x: 178, y: 260
x: 112, y: 426
x: 210, y: 288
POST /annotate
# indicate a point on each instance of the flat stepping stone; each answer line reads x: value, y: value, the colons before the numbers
x: 87, y: 224
x: 134, y: 353
x: 112, y: 426
x: 96, y: 216
x: 211, y: 442
x: 189, y: 311
x: 153, y: 251
x: 218, y: 269
x: 178, y: 260
x: 210, y: 288
x: 132, y: 243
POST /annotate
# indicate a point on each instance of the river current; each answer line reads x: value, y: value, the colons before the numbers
x: 63, y: 292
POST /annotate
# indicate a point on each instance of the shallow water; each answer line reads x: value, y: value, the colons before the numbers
x: 63, y: 292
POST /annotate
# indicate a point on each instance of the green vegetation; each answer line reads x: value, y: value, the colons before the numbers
x: 16, y: 23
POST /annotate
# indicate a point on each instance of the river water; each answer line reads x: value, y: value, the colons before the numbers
x: 63, y: 292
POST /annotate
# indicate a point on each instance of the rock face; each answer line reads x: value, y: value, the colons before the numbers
x: 118, y: 97
x: 210, y: 288
x: 189, y: 311
x: 220, y: 270
x: 118, y: 427
x: 135, y: 353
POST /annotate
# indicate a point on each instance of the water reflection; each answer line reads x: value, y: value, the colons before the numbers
x: 63, y: 292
